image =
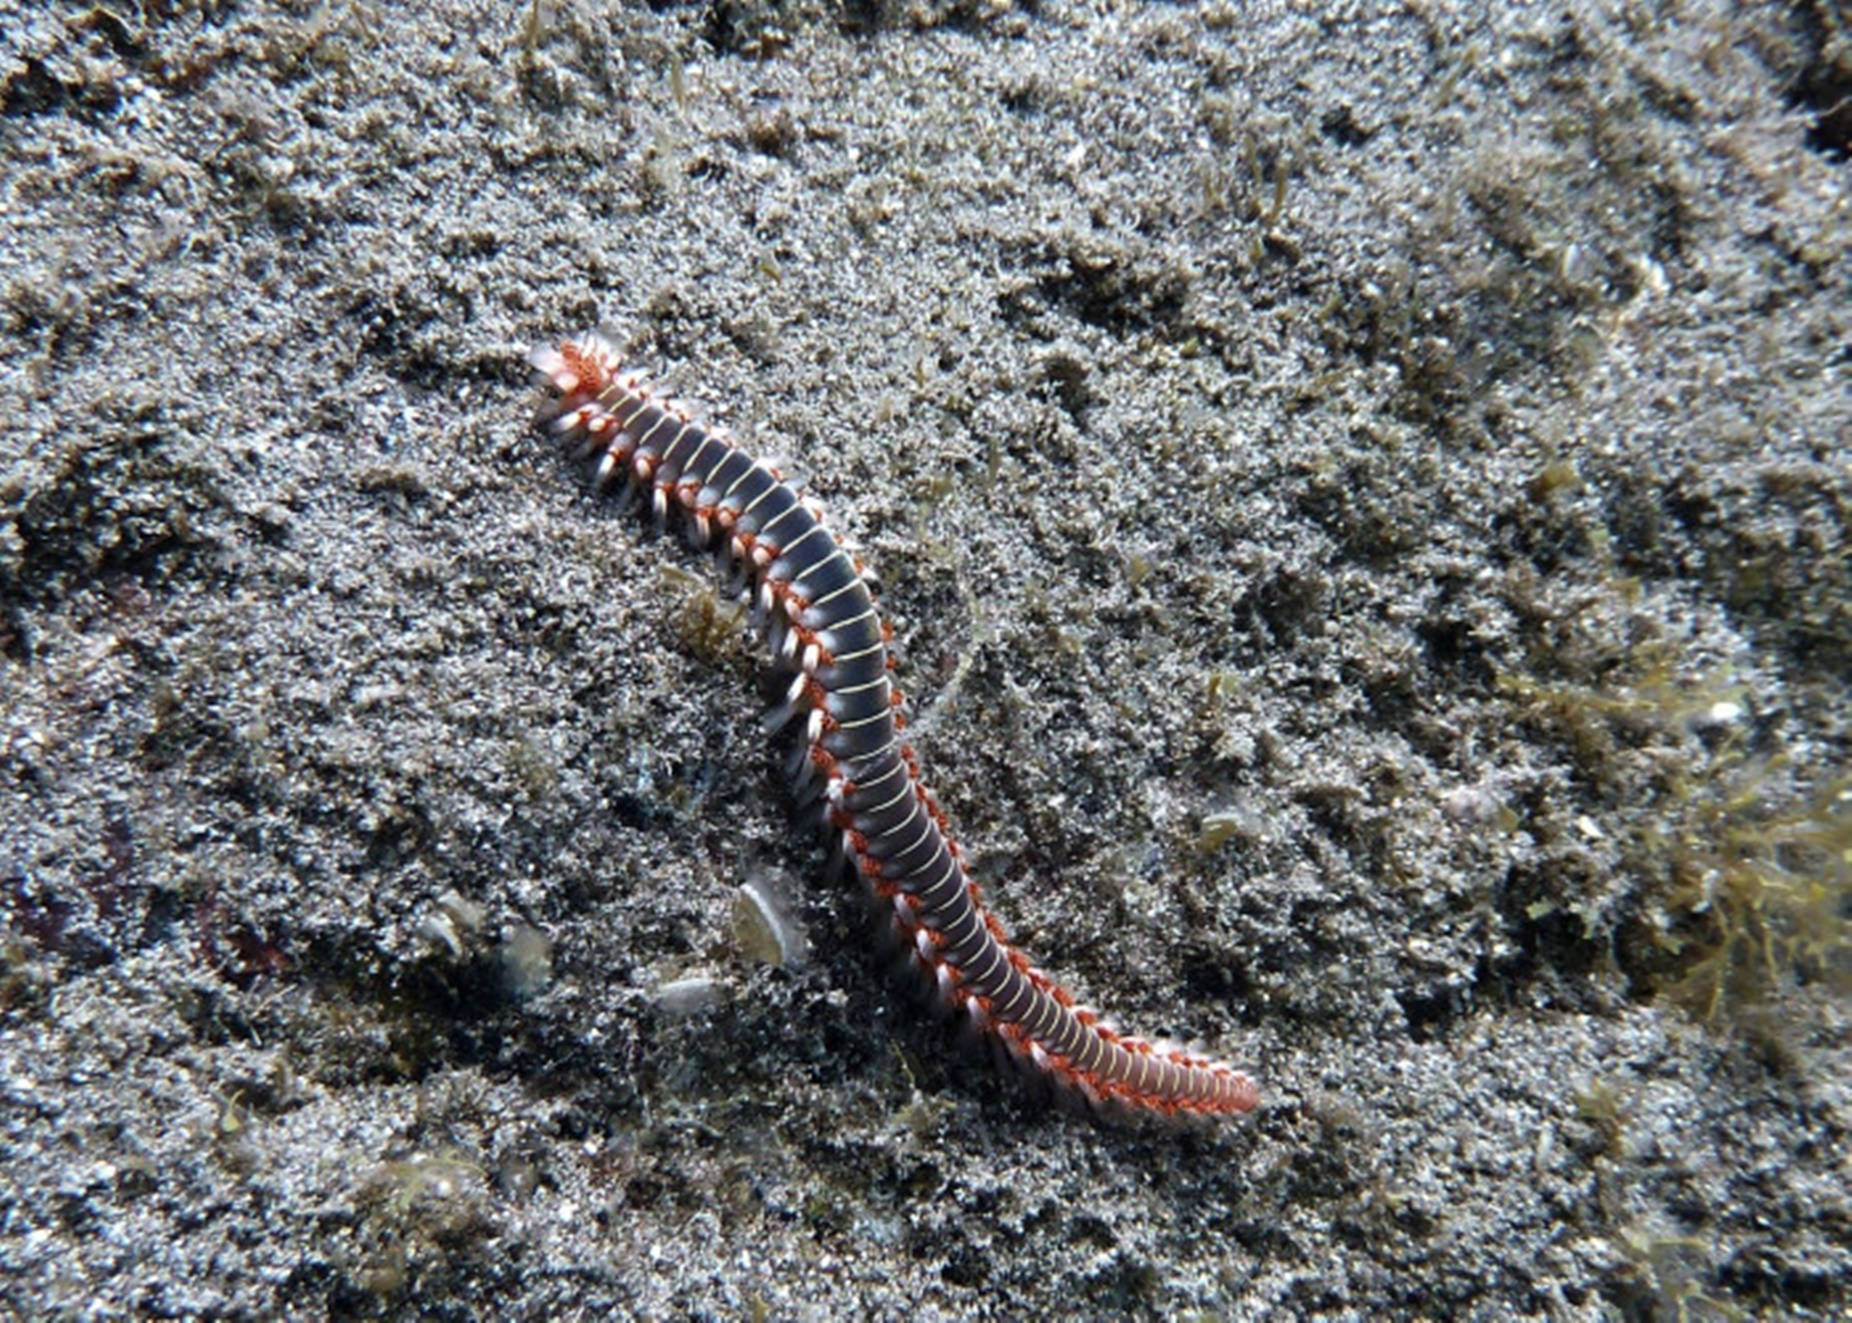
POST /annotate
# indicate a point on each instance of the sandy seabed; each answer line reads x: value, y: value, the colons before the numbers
x: 1362, y: 493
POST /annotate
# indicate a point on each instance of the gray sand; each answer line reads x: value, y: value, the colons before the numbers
x: 1364, y: 504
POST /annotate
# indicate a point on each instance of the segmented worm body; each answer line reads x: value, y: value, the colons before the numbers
x: 812, y: 602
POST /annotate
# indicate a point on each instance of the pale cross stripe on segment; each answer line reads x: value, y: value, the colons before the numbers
x: 813, y: 605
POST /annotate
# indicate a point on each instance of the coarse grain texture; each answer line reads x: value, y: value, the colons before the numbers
x: 1363, y: 503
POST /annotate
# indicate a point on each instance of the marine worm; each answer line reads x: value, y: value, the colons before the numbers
x: 813, y: 606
